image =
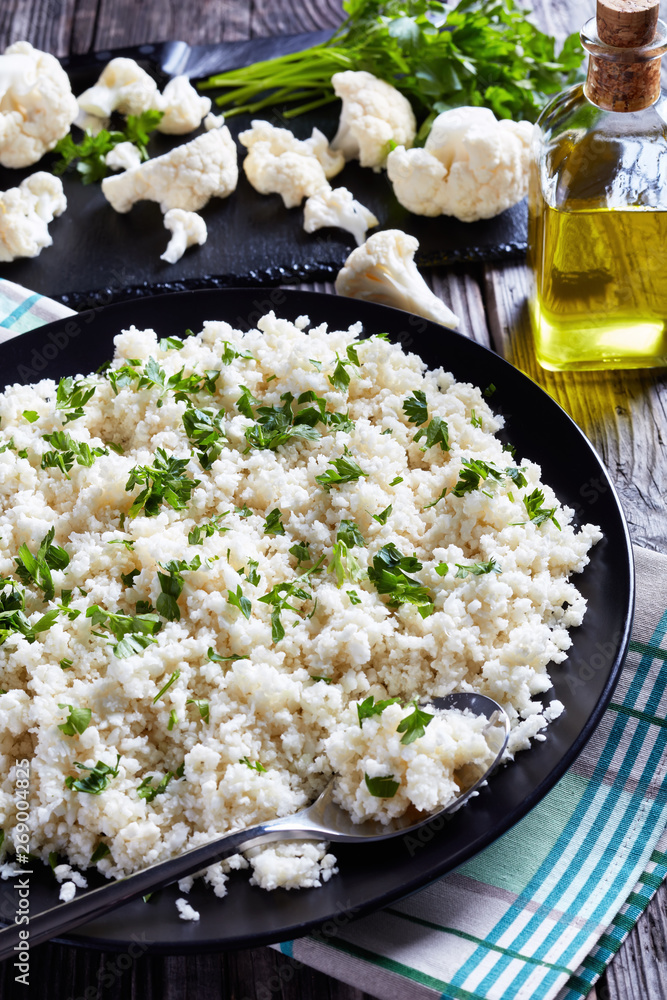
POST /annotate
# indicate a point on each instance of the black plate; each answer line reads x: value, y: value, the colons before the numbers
x: 99, y: 256
x: 379, y: 874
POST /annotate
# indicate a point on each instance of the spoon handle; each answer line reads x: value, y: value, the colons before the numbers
x: 86, y: 907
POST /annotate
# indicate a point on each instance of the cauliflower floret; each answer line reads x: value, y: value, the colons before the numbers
x: 279, y: 163
x: 213, y: 121
x: 374, y: 114
x: 187, y: 177
x: 124, y: 156
x: 37, y: 105
x: 182, y: 106
x: 25, y: 212
x: 187, y: 228
x: 337, y: 207
x: 472, y: 166
x: 383, y: 270
x: 123, y: 86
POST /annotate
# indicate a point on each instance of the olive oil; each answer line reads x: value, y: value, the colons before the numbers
x: 598, y: 202
x: 600, y: 296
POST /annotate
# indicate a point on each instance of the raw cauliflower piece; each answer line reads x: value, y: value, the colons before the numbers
x: 37, y: 105
x: 122, y: 86
x: 186, y: 178
x: 472, y: 166
x: 187, y: 228
x: 374, y: 114
x: 424, y: 769
x: 124, y: 156
x: 383, y: 270
x: 182, y: 107
x: 279, y: 163
x: 337, y: 207
x: 25, y: 212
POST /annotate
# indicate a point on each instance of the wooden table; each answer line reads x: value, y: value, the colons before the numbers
x: 623, y: 413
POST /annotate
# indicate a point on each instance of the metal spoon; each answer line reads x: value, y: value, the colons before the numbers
x: 322, y: 820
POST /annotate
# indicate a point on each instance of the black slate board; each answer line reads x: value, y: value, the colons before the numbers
x: 99, y: 256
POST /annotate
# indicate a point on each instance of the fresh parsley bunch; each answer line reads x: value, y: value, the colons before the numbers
x: 480, y: 52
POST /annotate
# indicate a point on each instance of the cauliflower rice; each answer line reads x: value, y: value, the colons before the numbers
x: 220, y: 721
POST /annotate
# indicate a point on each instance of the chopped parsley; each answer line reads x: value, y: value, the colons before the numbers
x: 67, y: 451
x: 78, y: 720
x: 381, y: 518
x: 349, y: 533
x: 30, y: 415
x: 416, y: 408
x: 318, y: 677
x: 413, y: 726
x: 132, y: 632
x: 281, y: 594
x: 251, y: 574
x: 276, y: 425
x: 344, y: 470
x: 129, y: 578
x: 536, y: 512
x: 37, y: 568
x: 207, y: 530
x: 437, y: 432
x: 341, y: 377
x: 474, y: 472
x: 205, y: 431
x: 66, y: 664
x: 344, y: 565
x: 354, y: 596
x: 475, y: 420
x: 165, y: 483
x: 389, y: 574
x: 146, y: 790
x: 202, y: 707
x: 13, y: 620
x: 173, y: 719
x: 370, y: 707
x: 273, y: 525
x: 382, y: 787
x: 171, y: 343
x: 476, y: 569
x: 172, y: 680
x: 217, y: 658
x: 97, y: 780
x: 230, y: 354
x: 101, y: 851
x: 253, y: 767
x: 300, y: 551
x: 239, y: 601
x: 489, y: 391
x: 396, y: 481
x: 71, y: 397
x: 171, y: 585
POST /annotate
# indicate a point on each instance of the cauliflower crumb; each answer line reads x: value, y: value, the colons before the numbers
x: 185, y: 911
x: 67, y: 892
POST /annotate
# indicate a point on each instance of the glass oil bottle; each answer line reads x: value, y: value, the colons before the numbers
x: 598, y: 202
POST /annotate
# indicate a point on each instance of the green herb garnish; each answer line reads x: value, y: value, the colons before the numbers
x: 538, y: 513
x: 476, y: 569
x: 253, y: 767
x: 273, y: 525
x: 78, y: 720
x: 382, y: 787
x: 344, y: 470
x: 165, y: 483
x: 37, y: 568
x: 98, y: 779
x: 413, y: 726
x: 389, y: 574
x: 92, y: 150
x: 132, y: 632
x: 370, y: 707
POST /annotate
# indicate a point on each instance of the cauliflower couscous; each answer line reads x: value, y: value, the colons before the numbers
x: 235, y: 564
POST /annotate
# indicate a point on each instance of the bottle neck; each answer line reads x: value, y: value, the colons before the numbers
x: 623, y: 79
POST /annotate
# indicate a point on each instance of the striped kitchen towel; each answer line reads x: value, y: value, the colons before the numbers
x: 539, y: 913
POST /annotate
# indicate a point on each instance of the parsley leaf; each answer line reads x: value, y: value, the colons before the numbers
x: 415, y: 407
x: 67, y: 450
x: 344, y: 565
x: 165, y: 483
x: 538, y: 513
x: 97, y: 781
x: 146, y: 791
x: 349, y: 533
x: 344, y: 470
x: 381, y: 518
x: 100, y: 852
x: 171, y: 343
x: 253, y: 767
x: 171, y: 585
x: 13, y: 620
x: 414, y: 725
x: 354, y: 596
x: 202, y: 708
x: 473, y: 472
x: 437, y: 432
x: 37, y: 568
x: 132, y: 632
x: 208, y: 529
x: 78, y: 720
x: 382, y: 787
x: 273, y: 525
x: 205, y: 431
x: 280, y: 595
x: 92, y: 150
x: 370, y: 707
x: 476, y: 569
x: 389, y: 574
x: 239, y: 601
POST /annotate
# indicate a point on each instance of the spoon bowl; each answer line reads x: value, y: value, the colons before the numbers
x: 324, y: 819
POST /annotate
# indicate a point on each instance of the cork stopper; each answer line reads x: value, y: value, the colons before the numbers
x: 627, y: 23
x: 616, y: 82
